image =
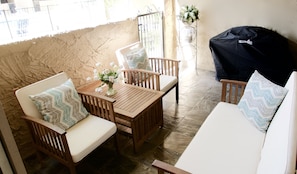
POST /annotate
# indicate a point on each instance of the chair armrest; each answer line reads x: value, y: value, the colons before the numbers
x: 165, y: 167
x: 232, y: 90
x: 165, y: 66
x: 48, y: 138
x: 43, y: 123
x: 102, y: 97
x: 142, y: 78
x: 99, y: 106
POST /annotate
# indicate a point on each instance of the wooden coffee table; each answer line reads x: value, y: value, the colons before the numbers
x: 139, y: 111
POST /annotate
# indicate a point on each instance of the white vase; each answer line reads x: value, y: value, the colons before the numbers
x: 188, y: 32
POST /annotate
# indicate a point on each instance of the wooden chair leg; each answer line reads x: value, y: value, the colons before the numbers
x: 160, y: 171
x: 176, y: 93
x: 39, y: 156
x: 72, y: 168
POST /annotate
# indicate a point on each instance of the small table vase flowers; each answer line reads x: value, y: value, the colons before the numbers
x: 108, y: 77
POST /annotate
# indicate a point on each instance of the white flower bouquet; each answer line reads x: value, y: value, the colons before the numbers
x: 189, y: 14
x: 107, y: 76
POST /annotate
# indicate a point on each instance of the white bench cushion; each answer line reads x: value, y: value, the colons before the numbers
x: 226, y: 143
x: 87, y: 135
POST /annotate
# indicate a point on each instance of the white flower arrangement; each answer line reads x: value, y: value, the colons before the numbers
x: 107, y: 76
x: 189, y: 14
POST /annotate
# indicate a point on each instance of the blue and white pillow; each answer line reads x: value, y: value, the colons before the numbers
x: 137, y: 58
x: 61, y: 105
x: 260, y: 100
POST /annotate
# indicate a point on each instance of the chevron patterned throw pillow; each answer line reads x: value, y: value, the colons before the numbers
x: 61, y: 105
x: 260, y: 100
x: 137, y: 59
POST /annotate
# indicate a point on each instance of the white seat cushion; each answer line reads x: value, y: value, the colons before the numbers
x: 87, y: 135
x: 226, y: 143
x: 166, y: 82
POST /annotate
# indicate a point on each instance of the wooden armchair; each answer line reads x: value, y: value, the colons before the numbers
x: 162, y: 74
x: 232, y: 91
x: 68, y: 146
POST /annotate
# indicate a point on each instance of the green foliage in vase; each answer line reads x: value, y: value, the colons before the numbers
x: 189, y: 14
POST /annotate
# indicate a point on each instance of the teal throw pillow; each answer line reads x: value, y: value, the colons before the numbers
x: 261, y: 100
x: 137, y: 59
x: 61, y: 105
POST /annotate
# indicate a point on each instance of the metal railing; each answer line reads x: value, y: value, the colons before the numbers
x: 150, y: 28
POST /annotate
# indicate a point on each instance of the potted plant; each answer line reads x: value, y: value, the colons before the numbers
x: 189, y: 14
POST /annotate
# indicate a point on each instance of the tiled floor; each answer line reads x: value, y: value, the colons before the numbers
x: 199, y: 93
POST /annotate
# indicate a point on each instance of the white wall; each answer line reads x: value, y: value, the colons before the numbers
x: 217, y: 16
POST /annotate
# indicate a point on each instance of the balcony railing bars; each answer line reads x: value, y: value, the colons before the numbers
x: 150, y: 29
x: 26, y: 23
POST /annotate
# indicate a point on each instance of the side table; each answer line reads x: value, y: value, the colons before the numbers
x: 139, y: 111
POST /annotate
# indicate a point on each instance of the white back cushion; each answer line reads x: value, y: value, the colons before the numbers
x: 123, y: 51
x: 279, y: 149
x: 23, y: 94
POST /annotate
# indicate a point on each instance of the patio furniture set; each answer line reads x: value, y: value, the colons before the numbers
x: 60, y: 116
x: 231, y: 140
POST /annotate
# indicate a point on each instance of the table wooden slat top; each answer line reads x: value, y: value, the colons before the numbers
x: 130, y: 100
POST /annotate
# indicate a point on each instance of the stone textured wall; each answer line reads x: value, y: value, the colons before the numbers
x: 75, y: 53
x: 170, y: 32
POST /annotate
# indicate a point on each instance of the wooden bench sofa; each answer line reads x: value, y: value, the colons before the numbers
x: 227, y: 142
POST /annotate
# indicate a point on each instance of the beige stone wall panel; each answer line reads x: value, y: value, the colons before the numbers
x: 74, y: 52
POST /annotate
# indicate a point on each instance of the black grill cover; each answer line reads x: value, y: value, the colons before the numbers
x: 239, y: 51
